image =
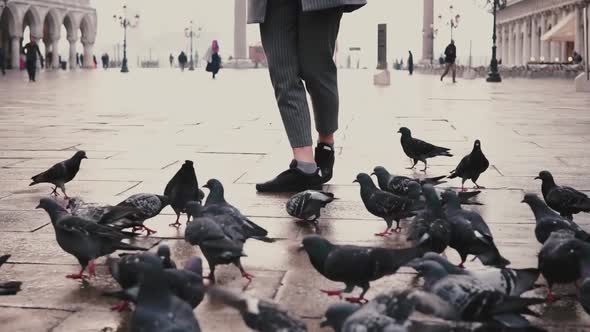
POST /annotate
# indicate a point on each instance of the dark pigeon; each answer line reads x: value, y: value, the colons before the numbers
x: 430, y: 227
x: 82, y: 238
x: 259, y: 315
x: 397, y: 184
x: 114, y: 216
x: 474, y: 299
x: 565, y: 200
x: 9, y: 287
x: 418, y: 150
x: 61, y: 173
x: 471, y: 166
x: 183, y: 188
x: 157, y: 308
x: 149, y: 206
x: 164, y: 254
x: 384, y: 204
x: 547, y: 221
x: 217, y: 247
x: 353, y: 265
x: 123, y: 271
x: 216, y: 205
x: 510, y: 281
x: 307, y: 205
x: 562, y: 259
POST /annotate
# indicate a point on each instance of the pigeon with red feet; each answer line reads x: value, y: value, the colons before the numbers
x: 471, y: 166
x: 307, y: 205
x: 149, y: 206
x: 109, y: 215
x: 565, y: 200
x: 183, y: 188
x: 418, y: 150
x: 398, y: 184
x: 61, y: 173
x: 355, y: 266
x: 82, y: 238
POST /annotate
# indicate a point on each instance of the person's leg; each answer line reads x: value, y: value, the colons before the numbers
x: 29, y: 68
x: 316, y: 44
x: 454, y: 69
x: 447, y: 67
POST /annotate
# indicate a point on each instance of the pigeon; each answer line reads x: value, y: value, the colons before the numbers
x: 216, y: 205
x: 565, y: 200
x: 61, y: 173
x: 418, y: 150
x: 82, y: 238
x: 471, y: 166
x: 354, y: 265
x: 306, y: 205
x: 149, y: 206
x: 259, y: 315
x: 512, y: 282
x: 216, y: 245
x: 397, y: 184
x: 430, y: 226
x: 346, y: 317
x: 123, y: 272
x: 115, y: 216
x: 383, y: 204
x: 547, y: 221
x: 472, y: 298
x: 562, y: 259
x: 9, y: 287
x: 164, y: 254
x: 183, y: 188
x: 157, y: 308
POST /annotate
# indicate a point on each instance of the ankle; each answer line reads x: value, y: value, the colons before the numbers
x: 306, y: 167
x: 328, y: 139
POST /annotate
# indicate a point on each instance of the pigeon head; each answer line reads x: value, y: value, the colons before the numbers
x: 145, y: 264
x: 476, y: 145
x: 163, y: 252
x: 80, y: 155
x: 414, y: 190
x: 380, y: 171
x: 194, y: 209
x: 405, y: 132
x: 195, y: 265
x: 430, y: 270
x: 337, y: 314
x: 546, y: 177
x: 317, y: 249
x: 537, y: 205
x: 432, y: 201
x: 216, y: 192
x: 52, y: 208
x: 188, y: 164
x: 450, y: 199
x: 364, y: 180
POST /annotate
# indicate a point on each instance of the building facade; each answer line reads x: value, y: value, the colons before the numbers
x: 547, y: 31
x: 45, y: 19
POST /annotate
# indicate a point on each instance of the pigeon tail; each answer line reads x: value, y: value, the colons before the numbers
x: 453, y: 174
x: 583, y: 206
x: 10, y: 287
x: 515, y: 304
x: 264, y: 239
x: 493, y: 258
x: 524, y: 280
x: 435, y: 180
x: 125, y: 246
x: 3, y: 259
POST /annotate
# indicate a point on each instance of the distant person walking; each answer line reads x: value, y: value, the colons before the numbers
x: 213, y: 59
x: 450, y: 57
x: 31, y: 50
x: 410, y: 63
x: 171, y: 59
x: 2, y: 61
x: 105, y: 61
x: 182, y: 60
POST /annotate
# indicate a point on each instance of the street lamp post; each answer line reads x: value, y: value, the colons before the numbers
x: 126, y: 23
x: 453, y: 20
x: 494, y: 74
x: 190, y: 33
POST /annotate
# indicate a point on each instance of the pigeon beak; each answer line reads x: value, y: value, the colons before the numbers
x: 537, y: 178
x: 206, y: 186
x: 38, y: 206
x: 84, y: 157
x: 324, y: 323
x: 355, y: 181
x: 372, y: 173
x: 523, y: 201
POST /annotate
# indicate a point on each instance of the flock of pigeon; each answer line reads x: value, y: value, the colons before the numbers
x: 164, y: 295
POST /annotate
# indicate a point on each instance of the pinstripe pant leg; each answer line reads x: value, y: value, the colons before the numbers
x: 318, y: 31
x: 279, y: 39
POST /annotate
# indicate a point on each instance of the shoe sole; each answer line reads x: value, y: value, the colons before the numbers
x: 288, y: 189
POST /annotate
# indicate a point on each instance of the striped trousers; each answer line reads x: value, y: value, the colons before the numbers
x: 299, y: 48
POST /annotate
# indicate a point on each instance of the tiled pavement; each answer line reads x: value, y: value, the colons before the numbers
x: 137, y: 129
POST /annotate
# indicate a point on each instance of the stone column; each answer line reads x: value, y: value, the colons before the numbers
x: 427, y: 27
x: 240, y: 18
x: 510, y: 44
x: 15, y: 50
x: 544, y: 45
x: 55, y: 53
x: 535, y: 39
x: 579, y: 30
x: 72, y: 57
x: 518, y: 44
x: 88, y: 59
x: 499, y: 43
x: 526, y: 54
x: 506, y: 48
x: 555, y: 48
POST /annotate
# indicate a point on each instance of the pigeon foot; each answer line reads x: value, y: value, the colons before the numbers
x: 92, y: 269
x: 149, y: 231
x: 398, y: 229
x: 332, y: 293
x: 176, y: 224
x: 359, y: 300
x: 121, y: 306
x: 461, y: 266
x: 384, y: 233
x: 477, y: 186
x: 247, y: 276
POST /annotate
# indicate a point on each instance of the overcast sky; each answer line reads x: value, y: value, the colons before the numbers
x: 162, y: 23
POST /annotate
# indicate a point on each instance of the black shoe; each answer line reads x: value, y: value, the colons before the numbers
x: 292, y: 180
x: 324, y: 158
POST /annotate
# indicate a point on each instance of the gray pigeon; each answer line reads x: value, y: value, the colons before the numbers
x: 164, y: 254
x: 61, y: 173
x: 157, y: 309
x: 474, y: 299
x: 183, y: 188
x: 397, y: 184
x: 9, y: 287
x: 307, y: 205
x: 562, y: 259
x: 510, y: 281
x: 149, y: 206
x: 384, y: 204
x: 115, y: 216
x: 259, y: 315
x: 82, y: 238
x: 547, y: 221
x: 418, y: 150
x: 471, y: 166
x: 565, y: 200
x: 216, y: 245
x: 355, y: 266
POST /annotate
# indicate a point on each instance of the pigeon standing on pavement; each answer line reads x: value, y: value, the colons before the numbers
x: 149, y: 206
x: 547, y: 221
x: 384, y: 204
x: 114, y: 216
x: 397, y: 184
x: 307, y: 205
x: 471, y: 166
x: 9, y: 287
x: 353, y: 265
x: 61, y: 173
x: 565, y: 200
x: 183, y: 188
x: 430, y: 227
x: 418, y: 150
x: 157, y: 308
x: 259, y: 315
x: 84, y: 239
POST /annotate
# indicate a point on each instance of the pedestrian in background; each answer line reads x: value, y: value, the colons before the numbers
x: 410, y: 63
x: 450, y: 57
x: 171, y: 59
x: 2, y: 61
x: 31, y: 50
x: 182, y: 60
x: 213, y: 58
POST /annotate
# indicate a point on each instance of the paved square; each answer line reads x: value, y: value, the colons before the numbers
x: 137, y: 130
